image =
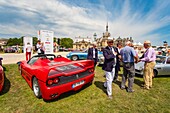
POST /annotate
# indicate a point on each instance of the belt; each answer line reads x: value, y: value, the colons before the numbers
x: 148, y: 61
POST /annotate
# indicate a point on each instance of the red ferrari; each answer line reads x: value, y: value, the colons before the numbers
x: 1, y: 76
x: 49, y: 76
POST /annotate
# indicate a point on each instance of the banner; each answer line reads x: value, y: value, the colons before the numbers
x: 27, y: 40
x: 46, y: 38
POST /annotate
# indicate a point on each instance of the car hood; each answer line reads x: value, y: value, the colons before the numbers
x: 139, y: 66
x: 71, y: 53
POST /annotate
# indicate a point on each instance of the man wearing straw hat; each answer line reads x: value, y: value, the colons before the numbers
x: 149, y: 58
x: 109, y: 54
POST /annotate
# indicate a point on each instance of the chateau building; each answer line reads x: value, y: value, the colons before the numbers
x: 81, y: 43
x: 102, y: 41
x: 122, y: 40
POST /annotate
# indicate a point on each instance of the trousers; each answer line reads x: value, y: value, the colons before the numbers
x: 128, y: 73
x: 109, y: 79
x: 28, y: 55
x: 148, y: 73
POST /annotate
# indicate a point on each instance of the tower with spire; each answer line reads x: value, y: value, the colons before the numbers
x: 102, y: 42
x: 107, y: 27
x: 106, y: 34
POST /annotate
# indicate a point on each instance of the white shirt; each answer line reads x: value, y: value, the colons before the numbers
x: 38, y: 46
x: 115, y: 55
x: 119, y: 49
x: 93, y: 52
x: 28, y: 48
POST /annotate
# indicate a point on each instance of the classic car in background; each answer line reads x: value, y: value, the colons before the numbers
x: 78, y: 55
x: 50, y: 76
x: 1, y: 76
x: 101, y: 58
x: 162, y: 66
x: 10, y: 50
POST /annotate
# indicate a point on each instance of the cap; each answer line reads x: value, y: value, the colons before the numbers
x: 147, y: 42
x: 110, y: 39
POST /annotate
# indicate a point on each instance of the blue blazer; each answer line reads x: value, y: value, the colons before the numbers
x: 90, y: 54
x: 109, y: 59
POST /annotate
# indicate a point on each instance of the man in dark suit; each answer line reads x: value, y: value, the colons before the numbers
x: 109, y: 54
x: 93, y: 54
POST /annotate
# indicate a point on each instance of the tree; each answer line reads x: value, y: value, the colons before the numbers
x: 14, y: 41
x: 55, y: 39
x: 66, y: 42
x: 35, y: 39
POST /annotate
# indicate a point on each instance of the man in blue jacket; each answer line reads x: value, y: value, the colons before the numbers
x: 109, y: 54
x: 93, y: 54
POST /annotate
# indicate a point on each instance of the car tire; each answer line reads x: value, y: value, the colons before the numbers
x: 36, y: 88
x: 74, y: 57
x: 20, y: 70
x: 155, y: 72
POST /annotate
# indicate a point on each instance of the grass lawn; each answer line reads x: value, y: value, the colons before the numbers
x: 17, y: 97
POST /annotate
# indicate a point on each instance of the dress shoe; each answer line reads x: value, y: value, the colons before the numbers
x: 145, y: 88
x: 104, y: 87
x: 142, y: 85
x: 110, y: 97
x: 122, y: 88
x: 130, y: 91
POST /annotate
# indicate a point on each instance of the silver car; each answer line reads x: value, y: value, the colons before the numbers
x: 101, y: 58
x: 162, y: 66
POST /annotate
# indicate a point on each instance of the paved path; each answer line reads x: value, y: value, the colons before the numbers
x: 12, y: 58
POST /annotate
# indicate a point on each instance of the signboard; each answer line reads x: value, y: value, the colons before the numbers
x: 27, y: 40
x: 46, y: 38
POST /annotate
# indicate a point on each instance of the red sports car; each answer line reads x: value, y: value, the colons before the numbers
x: 49, y: 76
x: 1, y: 76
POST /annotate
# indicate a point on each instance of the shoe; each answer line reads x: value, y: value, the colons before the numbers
x: 142, y: 85
x: 130, y: 91
x: 110, y: 97
x: 145, y: 88
x: 104, y: 87
x: 122, y: 88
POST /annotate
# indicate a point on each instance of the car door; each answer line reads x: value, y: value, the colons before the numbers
x: 83, y: 55
x: 27, y: 72
x: 28, y: 69
x: 167, y: 66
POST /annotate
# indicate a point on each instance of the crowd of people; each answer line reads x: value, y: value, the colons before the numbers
x: 113, y: 55
x: 128, y: 55
x: 40, y: 49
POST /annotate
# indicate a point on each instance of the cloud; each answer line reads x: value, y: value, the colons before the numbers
x: 66, y: 18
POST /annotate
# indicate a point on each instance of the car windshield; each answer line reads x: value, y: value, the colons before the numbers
x: 32, y: 60
x: 85, y: 51
x: 160, y: 59
x: 160, y: 48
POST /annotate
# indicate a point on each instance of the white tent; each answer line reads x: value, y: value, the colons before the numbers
x: 139, y: 44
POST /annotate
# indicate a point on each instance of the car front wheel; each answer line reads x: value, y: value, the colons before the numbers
x: 36, y: 88
x: 20, y: 69
x: 74, y: 58
x: 155, y: 73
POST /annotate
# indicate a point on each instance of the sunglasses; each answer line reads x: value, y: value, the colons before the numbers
x: 110, y: 42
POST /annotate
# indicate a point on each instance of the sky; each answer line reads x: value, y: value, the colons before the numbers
x: 140, y: 19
